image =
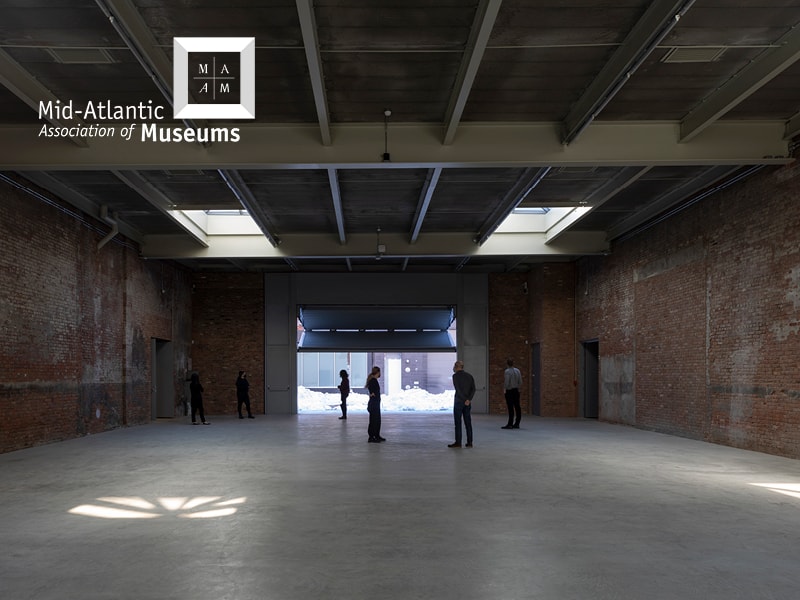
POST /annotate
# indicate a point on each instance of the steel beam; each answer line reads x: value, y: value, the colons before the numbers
x: 336, y: 193
x: 28, y: 89
x: 362, y: 246
x: 660, y: 17
x: 424, y: 201
x: 239, y: 188
x: 597, y: 198
x: 671, y: 199
x: 157, y: 198
x: 767, y: 66
x: 524, y: 185
x: 413, y: 146
x: 308, y: 28
x: 473, y: 55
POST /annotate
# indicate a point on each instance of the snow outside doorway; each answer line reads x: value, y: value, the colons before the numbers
x: 410, y: 382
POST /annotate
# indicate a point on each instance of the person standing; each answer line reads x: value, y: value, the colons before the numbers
x: 512, y: 382
x: 196, y: 394
x: 344, y: 390
x: 464, y: 384
x: 374, y: 406
x: 243, y: 394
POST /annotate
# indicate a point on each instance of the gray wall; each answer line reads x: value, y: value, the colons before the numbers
x: 284, y: 292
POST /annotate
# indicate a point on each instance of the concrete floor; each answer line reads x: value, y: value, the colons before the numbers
x: 302, y: 508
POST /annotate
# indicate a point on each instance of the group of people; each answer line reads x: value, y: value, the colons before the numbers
x: 464, y: 385
x: 196, y: 397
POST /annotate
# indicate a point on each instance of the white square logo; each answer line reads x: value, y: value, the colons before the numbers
x: 214, y: 78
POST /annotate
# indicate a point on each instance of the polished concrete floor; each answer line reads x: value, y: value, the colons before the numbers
x: 302, y: 507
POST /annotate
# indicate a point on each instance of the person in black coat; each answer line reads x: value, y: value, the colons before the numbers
x: 344, y: 389
x: 374, y: 406
x: 196, y: 391
x: 243, y: 394
x: 464, y: 385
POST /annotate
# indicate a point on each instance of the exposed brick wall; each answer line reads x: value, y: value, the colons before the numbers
x: 76, y: 322
x: 552, y: 287
x: 228, y: 336
x: 698, y: 319
x: 525, y: 308
x: 509, y: 331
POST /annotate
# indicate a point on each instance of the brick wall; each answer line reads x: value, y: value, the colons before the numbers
x: 552, y: 287
x: 228, y: 336
x: 698, y: 319
x: 76, y: 322
x: 509, y: 332
x: 526, y: 308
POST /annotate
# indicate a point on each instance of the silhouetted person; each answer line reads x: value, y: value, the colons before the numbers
x: 196, y: 393
x: 243, y: 394
x: 512, y: 382
x: 464, y: 384
x: 344, y: 390
x: 374, y: 406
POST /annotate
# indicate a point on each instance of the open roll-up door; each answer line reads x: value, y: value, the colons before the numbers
x: 386, y: 328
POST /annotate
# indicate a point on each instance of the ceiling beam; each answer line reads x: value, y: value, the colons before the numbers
x: 524, y: 185
x: 28, y: 89
x: 242, y: 192
x: 137, y: 35
x: 657, y: 21
x: 78, y: 200
x: 762, y: 70
x: 597, y: 198
x: 479, y: 35
x: 336, y: 194
x: 431, y: 180
x: 308, y: 28
x: 792, y: 127
x: 157, y: 198
x: 668, y: 200
x: 362, y: 246
x: 413, y: 146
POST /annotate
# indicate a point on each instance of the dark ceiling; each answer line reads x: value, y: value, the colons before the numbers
x: 611, y: 113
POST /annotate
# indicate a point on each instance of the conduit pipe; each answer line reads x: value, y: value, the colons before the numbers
x: 111, y: 221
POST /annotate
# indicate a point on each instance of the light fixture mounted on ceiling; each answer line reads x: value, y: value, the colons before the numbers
x: 386, y: 158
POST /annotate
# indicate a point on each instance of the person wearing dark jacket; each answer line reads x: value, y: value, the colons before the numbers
x: 344, y: 389
x: 243, y: 394
x: 196, y: 390
x: 464, y: 384
x: 374, y: 406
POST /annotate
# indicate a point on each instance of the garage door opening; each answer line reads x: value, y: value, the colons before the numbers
x: 416, y: 360
x: 410, y: 381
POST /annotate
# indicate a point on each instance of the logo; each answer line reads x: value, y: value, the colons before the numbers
x: 214, y: 78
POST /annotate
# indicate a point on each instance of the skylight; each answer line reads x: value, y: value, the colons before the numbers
x: 226, y: 213
x: 531, y: 210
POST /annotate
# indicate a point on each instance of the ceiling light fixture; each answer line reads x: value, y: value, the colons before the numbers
x: 386, y: 158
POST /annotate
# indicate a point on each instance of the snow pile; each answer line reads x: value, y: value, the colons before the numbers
x: 406, y: 400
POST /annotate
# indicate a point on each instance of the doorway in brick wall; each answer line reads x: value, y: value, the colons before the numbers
x: 590, y: 375
x: 162, y: 381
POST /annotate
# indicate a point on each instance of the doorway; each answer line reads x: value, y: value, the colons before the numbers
x: 591, y: 379
x: 162, y: 401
